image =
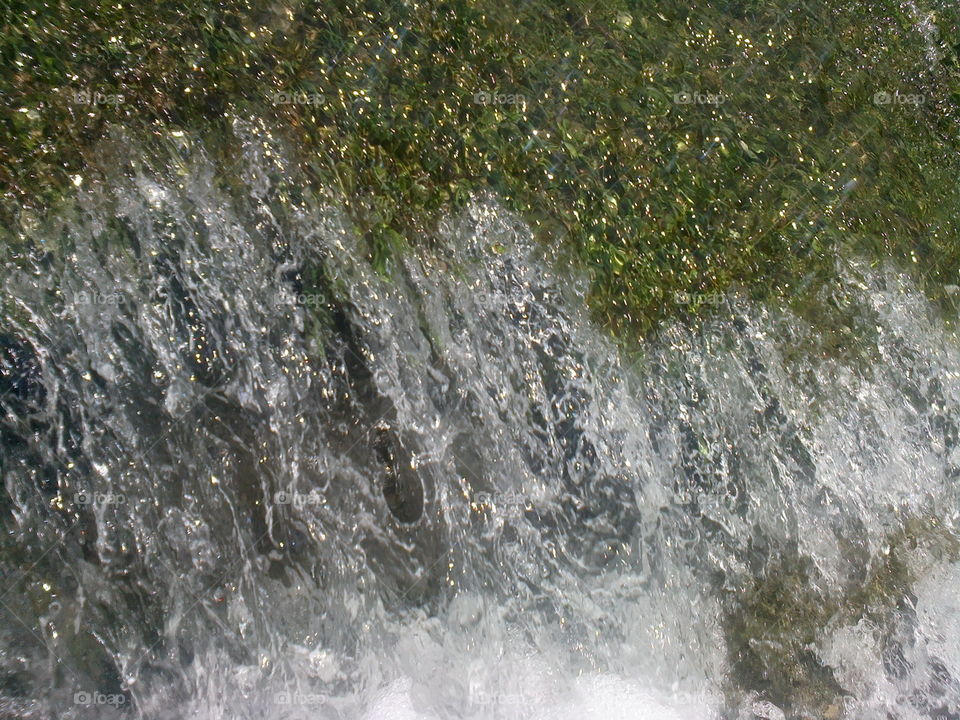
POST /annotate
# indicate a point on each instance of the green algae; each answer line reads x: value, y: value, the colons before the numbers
x: 771, y: 626
x: 773, y: 622
x: 601, y: 123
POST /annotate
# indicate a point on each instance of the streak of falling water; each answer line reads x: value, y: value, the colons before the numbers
x: 245, y: 476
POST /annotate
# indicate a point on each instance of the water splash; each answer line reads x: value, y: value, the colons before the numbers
x: 247, y: 476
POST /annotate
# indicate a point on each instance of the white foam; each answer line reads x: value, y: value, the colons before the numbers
x: 938, y: 610
x: 598, y: 697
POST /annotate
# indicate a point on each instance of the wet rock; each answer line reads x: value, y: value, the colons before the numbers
x: 402, y: 487
x: 20, y: 371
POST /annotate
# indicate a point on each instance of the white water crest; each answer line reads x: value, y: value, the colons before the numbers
x: 247, y: 476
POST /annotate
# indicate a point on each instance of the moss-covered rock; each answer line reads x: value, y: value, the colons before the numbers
x: 667, y: 147
x: 774, y: 624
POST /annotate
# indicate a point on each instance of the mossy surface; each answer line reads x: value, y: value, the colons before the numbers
x: 776, y: 159
x: 774, y: 622
x: 771, y: 626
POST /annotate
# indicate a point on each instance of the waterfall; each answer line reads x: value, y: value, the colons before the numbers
x: 245, y: 475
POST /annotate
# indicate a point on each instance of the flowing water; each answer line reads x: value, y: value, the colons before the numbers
x: 246, y: 476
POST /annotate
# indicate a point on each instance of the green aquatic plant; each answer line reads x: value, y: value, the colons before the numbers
x: 776, y: 619
x: 668, y: 149
x: 770, y: 626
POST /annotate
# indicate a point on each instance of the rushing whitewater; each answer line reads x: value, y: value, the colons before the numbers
x: 246, y: 476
